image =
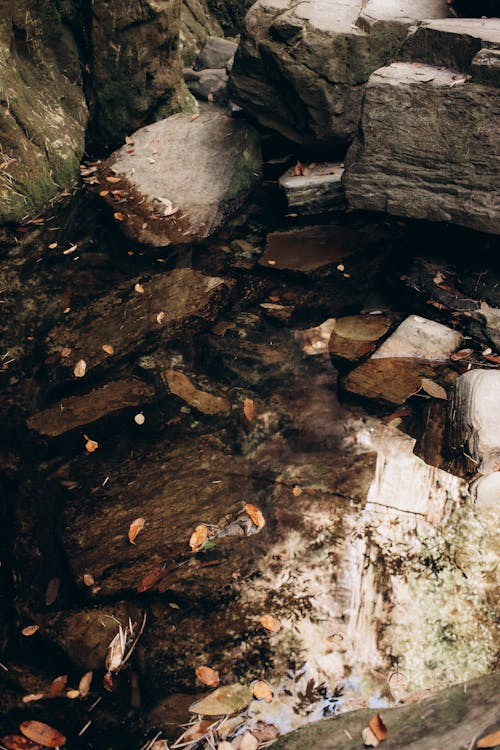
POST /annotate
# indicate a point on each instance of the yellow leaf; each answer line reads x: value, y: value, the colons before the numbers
x: 104, y: 193
x: 72, y: 694
x: 113, y: 179
x: 139, y: 289
x: 88, y: 579
x: 108, y: 349
x: 262, y: 691
x: 198, y: 537
x: 255, y: 515
x: 135, y: 527
x: 248, y: 409
x: 30, y: 630
x: 80, y: 368
x: 270, y: 623
x: 490, y: 740
x: 118, y: 216
x: 90, y: 445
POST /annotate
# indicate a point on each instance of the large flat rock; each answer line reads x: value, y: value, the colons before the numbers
x: 430, y: 134
x: 182, y: 177
x: 301, y: 67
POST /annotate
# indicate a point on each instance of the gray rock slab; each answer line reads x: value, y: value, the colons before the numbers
x: 320, y: 191
x: 215, y: 53
x: 182, y: 177
x: 209, y: 84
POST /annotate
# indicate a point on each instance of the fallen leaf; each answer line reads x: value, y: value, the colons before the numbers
x: 262, y: 691
x: 84, y: 684
x: 180, y: 385
x: 58, y: 686
x: 88, y: 579
x: 195, y: 116
x: 255, y: 515
x: 30, y: 630
x: 70, y: 250
x: 108, y: 349
x: 270, y: 623
x: 42, y: 733
x: 249, y: 742
x: 248, y: 409
x: 113, y: 179
x: 52, y: 245
x: 492, y: 358
x: 229, y: 699
x: 433, y: 389
x: 161, y: 745
x: 116, y: 652
x: 90, y: 445
x: 369, y: 738
x: 198, y: 537
x: 207, y: 676
x: 65, y: 352
x: 16, y: 742
x: 299, y: 169
x: 72, y: 694
x: 461, y: 354
x: 160, y: 317
x: 196, y: 731
x: 135, y: 527
x: 80, y: 368
x: 490, y: 740
x: 118, y: 216
x: 149, y: 580
x: 378, y: 727
x: 139, y: 418
x: 297, y: 491
x: 107, y: 682
x: 103, y: 193
x: 33, y: 697
x: 139, y: 289
x: 52, y: 591
x: 129, y: 140
x: 265, y: 732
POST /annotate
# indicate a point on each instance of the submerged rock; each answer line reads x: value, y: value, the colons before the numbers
x: 318, y: 191
x: 182, y: 177
x: 356, y: 336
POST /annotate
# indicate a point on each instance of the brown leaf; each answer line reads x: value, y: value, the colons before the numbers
x: 108, y: 349
x: 103, y: 193
x: 490, y: 740
x: 207, y: 676
x: 195, y: 116
x: 270, y: 623
x: 16, y: 742
x: 118, y: 216
x: 90, y: 445
x: 42, y: 733
x: 262, y: 691
x: 129, y: 140
x: 255, y: 515
x: 492, y: 358
x: 378, y: 727
x: 139, y: 288
x: 65, y: 352
x: 149, y: 580
x: 107, y: 681
x: 198, y: 537
x: 72, y: 694
x: 52, y: 591
x: 265, y: 732
x: 369, y: 738
x: 113, y: 179
x: 80, y: 368
x: 88, y: 579
x: 30, y: 630
x: 84, y: 684
x: 135, y: 527
x: 33, y: 697
x: 248, y: 409
x: 58, y: 686
x: 433, y: 389
x: 299, y: 169
x: 196, y: 731
x: 297, y: 491
x: 461, y: 354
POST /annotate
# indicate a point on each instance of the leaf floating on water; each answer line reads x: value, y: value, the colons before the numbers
x: 90, y: 445
x: 490, y: 740
x: 249, y: 742
x: 80, y: 368
x: 230, y: 699
x: 52, y: 591
x: 139, y: 289
x: 88, y: 579
x: 84, y: 684
x: 42, y: 733
x: 58, y: 686
x: 198, y: 537
x: 255, y: 515
x: 135, y: 527
x: 378, y: 727
x: 16, y: 742
x: 262, y: 691
x: 207, y: 676
x: 369, y: 738
x: 433, y: 389
x: 30, y: 630
x: 270, y: 623
x: 108, y: 349
x: 248, y: 409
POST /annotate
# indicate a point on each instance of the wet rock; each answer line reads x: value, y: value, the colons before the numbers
x: 491, y: 318
x: 205, y: 402
x: 403, y: 98
x: 474, y: 420
x: 197, y: 26
x: 130, y: 321
x: 314, y: 341
x: 447, y: 720
x: 319, y: 192
x: 356, y: 336
x: 417, y: 349
x: 300, y: 67
x: 77, y: 411
x: 183, y: 177
x: 208, y: 84
x: 44, y: 115
x: 215, y: 53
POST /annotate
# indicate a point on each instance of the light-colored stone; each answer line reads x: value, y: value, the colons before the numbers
x: 420, y: 338
x: 356, y: 336
x: 320, y: 191
x: 183, y: 177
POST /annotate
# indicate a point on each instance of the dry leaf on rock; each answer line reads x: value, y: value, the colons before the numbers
x: 90, y: 445
x: 72, y: 694
x: 116, y: 652
x: 230, y: 699
x: 255, y: 515
x: 149, y: 580
x: 113, y: 179
x: 65, y: 352
x: 433, y: 389
x: 207, y: 676
x: 88, y: 579
x: 297, y: 491
x: 196, y: 731
x: 58, y: 686
x: 17, y: 742
x: 139, y: 418
x: 198, y: 537
x: 262, y: 691
x: 378, y: 727
x: 490, y: 740
x: 249, y: 742
x: 30, y: 630
x: 80, y: 368
x: 135, y: 527
x: 248, y: 409
x: 461, y: 354
x: 108, y: 349
x: 495, y: 358
x: 84, y: 684
x: 369, y: 739
x: 270, y: 623
x: 118, y: 216
x: 139, y: 289
x: 265, y: 732
x: 33, y: 697
x: 42, y: 733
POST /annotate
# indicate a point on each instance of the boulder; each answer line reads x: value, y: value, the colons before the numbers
x: 316, y: 191
x: 417, y: 349
x: 209, y: 84
x: 301, y: 67
x: 197, y: 25
x: 428, y: 147
x: 356, y: 336
x: 215, y: 53
x: 43, y: 114
x: 230, y: 14
x: 182, y: 177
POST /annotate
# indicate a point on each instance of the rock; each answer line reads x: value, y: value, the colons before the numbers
x: 206, y: 403
x: 491, y: 318
x: 230, y: 14
x: 44, y: 114
x: 445, y: 171
x: 197, y: 26
x: 184, y: 296
x: 215, y: 53
x: 301, y: 67
x: 486, y: 491
x: 314, y: 341
x: 208, y: 84
x: 183, y: 177
x: 356, y: 336
x: 450, y: 720
x: 318, y: 192
x: 77, y: 411
x: 474, y: 420
x: 417, y: 349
